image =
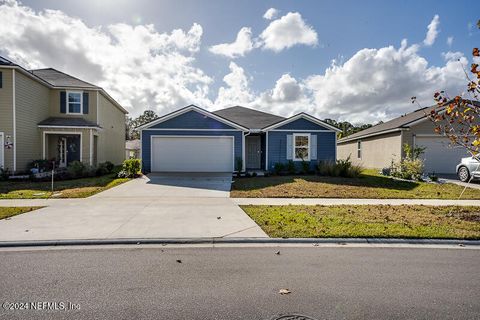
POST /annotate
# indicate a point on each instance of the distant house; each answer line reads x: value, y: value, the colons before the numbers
x: 132, y: 149
x: 378, y: 146
x: 47, y: 114
x: 193, y: 139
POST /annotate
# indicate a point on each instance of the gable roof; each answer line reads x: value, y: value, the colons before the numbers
x: 192, y: 108
x: 59, y: 79
x: 299, y: 116
x: 249, y: 118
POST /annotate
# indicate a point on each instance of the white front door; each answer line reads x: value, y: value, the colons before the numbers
x: 62, y: 152
x: 191, y: 154
x: 2, y: 150
x: 440, y: 156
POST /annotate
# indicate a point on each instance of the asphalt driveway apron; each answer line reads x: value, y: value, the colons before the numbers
x: 172, y: 205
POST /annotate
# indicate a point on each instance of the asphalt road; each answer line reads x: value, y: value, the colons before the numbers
x: 243, y: 283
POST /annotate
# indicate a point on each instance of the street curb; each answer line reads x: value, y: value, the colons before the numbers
x: 212, y: 241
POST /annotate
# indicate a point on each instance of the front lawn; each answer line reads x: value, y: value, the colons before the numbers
x: 7, y: 212
x: 76, y: 188
x: 367, y: 221
x: 369, y: 185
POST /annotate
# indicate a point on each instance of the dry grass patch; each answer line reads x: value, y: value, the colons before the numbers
x: 382, y: 221
x: 7, y: 212
x: 369, y: 185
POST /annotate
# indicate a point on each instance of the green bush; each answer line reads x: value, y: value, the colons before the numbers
x: 76, y: 169
x: 278, y: 168
x: 238, y: 164
x: 340, y: 168
x: 130, y: 169
x: 305, y: 166
x: 408, y: 169
x: 4, y: 173
x: 291, y: 167
x: 42, y: 165
x: 104, y: 168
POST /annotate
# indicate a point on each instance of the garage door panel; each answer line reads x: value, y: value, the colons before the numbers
x: 440, y: 156
x: 192, y: 154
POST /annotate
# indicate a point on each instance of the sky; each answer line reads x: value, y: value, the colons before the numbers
x: 345, y: 60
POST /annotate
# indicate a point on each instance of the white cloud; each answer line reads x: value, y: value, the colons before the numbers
x: 242, y: 45
x: 288, y: 31
x: 376, y: 84
x: 449, y: 41
x: 270, y: 14
x: 432, y: 31
x: 137, y: 65
x: 238, y: 90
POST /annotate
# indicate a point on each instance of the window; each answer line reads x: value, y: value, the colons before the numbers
x: 301, y: 146
x: 74, y: 102
x: 359, y: 149
x: 1, y: 80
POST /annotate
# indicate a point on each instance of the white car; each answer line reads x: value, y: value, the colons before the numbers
x: 468, y: 167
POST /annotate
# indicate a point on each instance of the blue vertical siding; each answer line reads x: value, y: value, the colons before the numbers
x: 192, y: 120
x: 302, y: 124
x: 277, y: 147
x: 146, y: 134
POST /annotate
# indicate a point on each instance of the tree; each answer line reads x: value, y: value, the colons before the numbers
x: 458, y: 118
x: 131, y: 132
x: 346, y: 127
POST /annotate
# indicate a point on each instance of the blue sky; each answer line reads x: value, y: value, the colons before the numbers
x: 258, y: 78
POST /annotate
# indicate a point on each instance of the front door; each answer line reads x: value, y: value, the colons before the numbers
x: 73, y: 148
x: 254, y: 152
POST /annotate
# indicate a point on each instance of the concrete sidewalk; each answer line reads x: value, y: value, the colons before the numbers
x: 336, y: 201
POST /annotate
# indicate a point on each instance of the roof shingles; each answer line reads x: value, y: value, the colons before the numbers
x: 249, y: 118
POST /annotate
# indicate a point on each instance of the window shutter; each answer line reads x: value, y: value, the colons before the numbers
x: 63, y: 102
x: 313, y: 147
x: 1, y: 80
x: 85, y: 103
x: 289, y: 147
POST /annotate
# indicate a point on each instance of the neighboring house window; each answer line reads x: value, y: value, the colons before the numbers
x: 359, y: 149
x: 74, y: 102
x: 301, y: 146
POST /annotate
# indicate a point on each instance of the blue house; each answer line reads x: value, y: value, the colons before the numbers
x: 193, y: 139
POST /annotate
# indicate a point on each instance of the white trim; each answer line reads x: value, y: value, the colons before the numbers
x: 335, y: 147
x: 180, y: 129
x: 2, y: 145
x: 294, y: 146
x: 293, y: 130
x: 266, y: 148
x: 180, y: 136
x: 244, y: 166
x: 141, y: 150
x: 187, y: 109
x: 68, y: 127
x: 14, y: 107
x: 67, y: 103
x: 91, y: 147
x: 430, y: 135
x: 347, y: 139
x: 63, y: 132
x: 298, y: 116
x: 98, y: 122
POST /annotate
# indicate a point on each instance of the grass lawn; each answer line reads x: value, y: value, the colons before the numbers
x: 77, y: 188
x: 369, y: 185
x: 6, y: 212
x: 367, y: 221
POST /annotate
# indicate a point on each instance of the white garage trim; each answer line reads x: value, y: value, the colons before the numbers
x: 192, y: 137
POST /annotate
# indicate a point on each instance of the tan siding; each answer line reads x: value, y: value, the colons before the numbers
x: 6, y: 113
x: 377, y: 152
x: 55, y: 106
x: 32, y: 100
x: 111, y: 140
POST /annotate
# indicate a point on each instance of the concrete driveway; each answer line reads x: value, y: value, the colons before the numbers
x: 156, y: 206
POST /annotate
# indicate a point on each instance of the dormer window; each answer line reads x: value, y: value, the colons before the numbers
x: 74, y: 102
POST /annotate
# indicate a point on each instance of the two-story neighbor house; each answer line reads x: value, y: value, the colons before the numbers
x: 47, y: 114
